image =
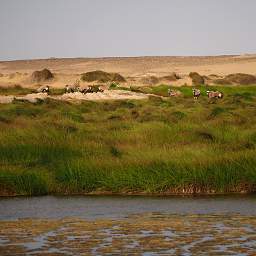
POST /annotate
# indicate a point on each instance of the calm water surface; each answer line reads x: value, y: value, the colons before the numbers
x: 93, y: 207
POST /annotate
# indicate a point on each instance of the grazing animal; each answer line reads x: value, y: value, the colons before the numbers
x: 196, y: 93
x: 71, y: 88
x: 44, y: 89
x: 91, y: 89
x: 85, y: 89
x: 173, y: 93
x: 100, y: 89
x: 214, y: 94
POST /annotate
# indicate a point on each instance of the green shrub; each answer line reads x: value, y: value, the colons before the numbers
x: 102, y: 76
x: 196, y: 78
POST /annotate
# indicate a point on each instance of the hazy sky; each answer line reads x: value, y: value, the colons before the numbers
x: 94, y: 28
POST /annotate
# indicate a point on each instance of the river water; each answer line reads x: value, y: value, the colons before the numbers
x: 128, y: 225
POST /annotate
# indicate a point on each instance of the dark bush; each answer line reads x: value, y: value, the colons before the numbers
x: 240, y: 78
x: 196, y: 78
x: 102, y: 76
x: 41, y: 76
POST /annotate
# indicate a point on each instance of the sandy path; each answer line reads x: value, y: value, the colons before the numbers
x: 106, y: 95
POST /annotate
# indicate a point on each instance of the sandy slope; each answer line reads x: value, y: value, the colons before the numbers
x: 68, y: 70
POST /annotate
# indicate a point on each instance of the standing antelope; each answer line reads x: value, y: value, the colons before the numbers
x: 196, y: 93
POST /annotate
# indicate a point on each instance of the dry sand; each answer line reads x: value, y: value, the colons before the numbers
x: 77, y: 96
x: 66, y: 71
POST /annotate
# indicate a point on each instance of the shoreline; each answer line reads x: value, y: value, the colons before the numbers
x: 137, y: 194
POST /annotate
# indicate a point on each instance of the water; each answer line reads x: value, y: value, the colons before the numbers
x: 132, y: 225
x: 93, y: 207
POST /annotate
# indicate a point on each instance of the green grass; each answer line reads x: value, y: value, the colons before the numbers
x: 15, y: 90
x: 151, y: 146
x: 162, y: 90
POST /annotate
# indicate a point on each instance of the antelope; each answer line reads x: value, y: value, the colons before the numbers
x: 216, y: 94
x: 73, y: 88
x: 44, y: 89
x: 173, y: 93
x: 70, y: 88
x: 196, y: 93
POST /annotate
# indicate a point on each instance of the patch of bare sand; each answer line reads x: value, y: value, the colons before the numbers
x: 106, y: 95
x: 77, y: 96
x: 33, y: 98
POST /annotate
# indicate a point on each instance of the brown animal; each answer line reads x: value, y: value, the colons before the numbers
x: 173, y: 93
x: 214, y: 94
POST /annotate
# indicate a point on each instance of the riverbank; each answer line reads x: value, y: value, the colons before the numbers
x: 155, y: 146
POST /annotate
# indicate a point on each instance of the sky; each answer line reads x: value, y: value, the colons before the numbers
x: 100, y: 28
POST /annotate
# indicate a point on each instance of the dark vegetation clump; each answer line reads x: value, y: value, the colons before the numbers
x: 240, y: 78
x: 236, y: 79
x: 102, y: 76
x: 196, y: 78
x: 178, y: 115
x: 222, y: 81
x: 205, y: 135
x: 42, y: 76
x: 113, y: 85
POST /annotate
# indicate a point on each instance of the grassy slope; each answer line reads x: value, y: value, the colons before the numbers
x: 173, y: 145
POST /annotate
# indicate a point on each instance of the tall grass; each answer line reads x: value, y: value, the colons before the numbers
x: 150, y: 146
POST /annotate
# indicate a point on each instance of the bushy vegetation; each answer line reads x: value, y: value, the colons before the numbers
x: 102, y: 76
x: 42, y: 76
x: 15, y: 90
x: 236, y: 79
x: 196, y: 78
x: 172, y: 145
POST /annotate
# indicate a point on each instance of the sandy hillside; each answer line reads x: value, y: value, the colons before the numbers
x: 133, y: 68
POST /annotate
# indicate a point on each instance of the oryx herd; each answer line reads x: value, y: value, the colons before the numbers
x: 94, y: 89
x: 197, y: 93
x: 88, y: 89
x: 74, y: 88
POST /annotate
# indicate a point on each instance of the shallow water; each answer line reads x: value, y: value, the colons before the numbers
x: 94, y: 225
x: 94, y: 207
